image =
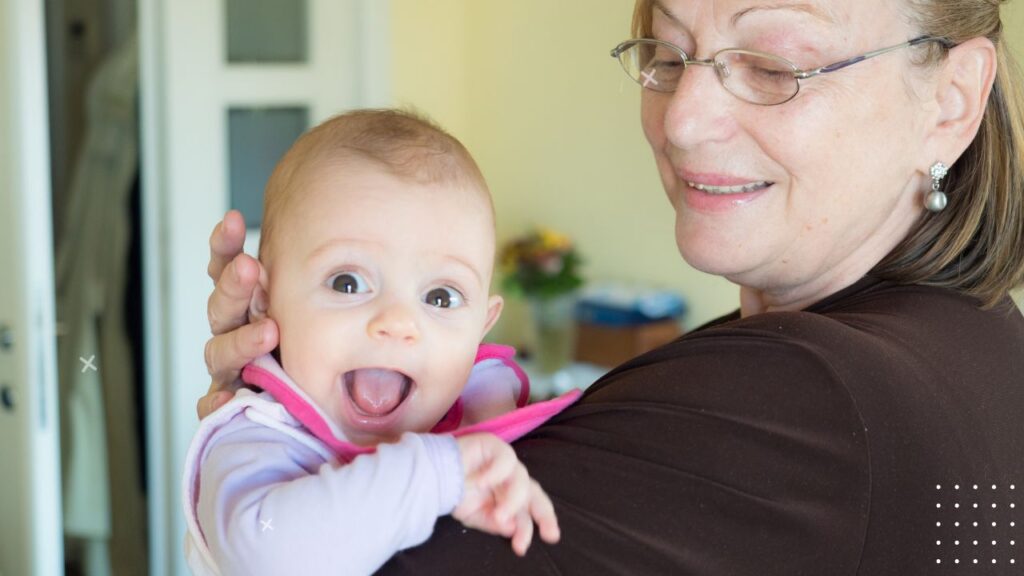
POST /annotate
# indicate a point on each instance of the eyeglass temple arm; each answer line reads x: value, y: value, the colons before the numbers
x: 802, y: 74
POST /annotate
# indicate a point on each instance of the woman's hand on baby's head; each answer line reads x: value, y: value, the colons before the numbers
x: 235, y: 342
x: 499, y: 496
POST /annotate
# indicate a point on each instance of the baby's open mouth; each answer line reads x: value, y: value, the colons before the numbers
x: 377, y: 391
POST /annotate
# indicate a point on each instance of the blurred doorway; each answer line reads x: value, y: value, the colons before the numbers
x: 92, y: 68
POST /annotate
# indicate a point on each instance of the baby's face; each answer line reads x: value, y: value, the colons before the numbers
x: 380, y: 288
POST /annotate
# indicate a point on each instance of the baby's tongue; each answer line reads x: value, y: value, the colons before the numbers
x: 376, y: 391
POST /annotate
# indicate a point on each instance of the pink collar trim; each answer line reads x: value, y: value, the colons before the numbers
x: 267, y: 374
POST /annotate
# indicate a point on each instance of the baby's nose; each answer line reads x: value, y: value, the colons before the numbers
x: 394, y: 322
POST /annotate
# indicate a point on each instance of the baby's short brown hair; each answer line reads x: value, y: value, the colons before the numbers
x: 402, y: 143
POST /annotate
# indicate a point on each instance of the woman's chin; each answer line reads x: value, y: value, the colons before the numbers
x: 711, y: 257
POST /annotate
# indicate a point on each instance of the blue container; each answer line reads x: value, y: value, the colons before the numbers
x: 613, y: 305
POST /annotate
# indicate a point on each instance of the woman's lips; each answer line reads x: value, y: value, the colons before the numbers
x: 716, y: 193
x: 737, y: 189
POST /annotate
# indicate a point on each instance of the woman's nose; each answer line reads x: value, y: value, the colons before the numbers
x: 396, y: 322
x: 700, y: 110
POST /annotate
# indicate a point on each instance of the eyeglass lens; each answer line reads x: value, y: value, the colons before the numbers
x: 756, y: 78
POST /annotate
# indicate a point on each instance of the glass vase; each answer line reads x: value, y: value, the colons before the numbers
x: 554, y: 321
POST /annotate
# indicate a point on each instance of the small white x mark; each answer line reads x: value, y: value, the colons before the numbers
x: 87, y: 363
x: 266, y: 524
x: 648, y: 78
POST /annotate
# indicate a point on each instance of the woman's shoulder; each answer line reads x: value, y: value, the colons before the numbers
x: 874, y: 352
x: 874, y: 324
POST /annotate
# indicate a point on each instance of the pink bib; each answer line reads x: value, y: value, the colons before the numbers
x: 265, y: 373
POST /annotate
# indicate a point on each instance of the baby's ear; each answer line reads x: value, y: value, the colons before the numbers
x: 495, y: 304
x: 260, y: 301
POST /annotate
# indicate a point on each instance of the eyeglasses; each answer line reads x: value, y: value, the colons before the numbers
x: 755, y: 77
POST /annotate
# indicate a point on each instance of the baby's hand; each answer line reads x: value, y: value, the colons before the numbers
x: 499, y: 496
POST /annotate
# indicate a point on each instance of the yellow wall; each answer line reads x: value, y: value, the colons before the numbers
x: 530, y: 89
x: 554, y: 124
x: 1013, y: 23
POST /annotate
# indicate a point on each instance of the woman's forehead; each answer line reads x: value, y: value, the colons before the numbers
x: 732, y: 12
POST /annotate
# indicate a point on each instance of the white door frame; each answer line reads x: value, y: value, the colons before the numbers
x: 30, y: 500
x: 184, y: 90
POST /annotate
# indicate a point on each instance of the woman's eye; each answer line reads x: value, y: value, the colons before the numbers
x: 349, y: 283
x: 444, y: 298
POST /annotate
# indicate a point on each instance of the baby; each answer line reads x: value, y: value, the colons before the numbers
x: 380, y: 411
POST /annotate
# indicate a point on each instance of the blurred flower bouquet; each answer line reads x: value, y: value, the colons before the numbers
x: 543, y: 264
x: 544, y: 267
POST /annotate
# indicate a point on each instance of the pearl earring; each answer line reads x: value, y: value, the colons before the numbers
x: 936, y: 199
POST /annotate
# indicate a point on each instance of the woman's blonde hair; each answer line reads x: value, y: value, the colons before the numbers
x: 975, y: 245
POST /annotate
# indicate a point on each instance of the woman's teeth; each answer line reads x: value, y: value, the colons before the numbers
x: 729, y: 189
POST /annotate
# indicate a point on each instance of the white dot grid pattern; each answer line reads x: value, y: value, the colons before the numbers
x: 972, y: 525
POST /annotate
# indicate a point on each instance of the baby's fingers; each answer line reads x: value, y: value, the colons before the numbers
x: 502, y: 465
x: 514, y: 496
x: 523, y: 535
x: 543, y: 513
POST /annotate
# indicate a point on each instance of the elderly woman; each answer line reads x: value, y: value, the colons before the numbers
x: 857, y: 167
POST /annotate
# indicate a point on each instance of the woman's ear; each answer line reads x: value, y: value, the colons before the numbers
x: 495, y: 304
x: 965, y: 82
x: 260, y: 301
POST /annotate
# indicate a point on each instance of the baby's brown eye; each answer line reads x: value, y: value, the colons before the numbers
x: 349, y: 283
x: 444, y: 298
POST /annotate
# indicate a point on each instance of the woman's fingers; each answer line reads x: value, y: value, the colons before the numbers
x: 228, y: 306
x: 227, y: 354
x: 213, y: 400
x: 226, y: 242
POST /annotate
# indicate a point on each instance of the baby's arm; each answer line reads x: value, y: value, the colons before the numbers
x: 268, y: 504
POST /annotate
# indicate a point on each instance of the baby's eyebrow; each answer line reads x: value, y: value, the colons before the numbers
x: 465, y: 264
x: 334, y: 244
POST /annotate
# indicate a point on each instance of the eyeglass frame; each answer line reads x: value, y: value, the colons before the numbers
x: 798, y: 74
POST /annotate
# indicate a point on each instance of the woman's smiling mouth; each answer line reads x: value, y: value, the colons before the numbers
x: 739, y: 189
